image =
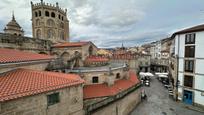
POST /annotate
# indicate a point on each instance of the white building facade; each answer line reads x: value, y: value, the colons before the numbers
x: 189, y: 46
x: 155, y: 50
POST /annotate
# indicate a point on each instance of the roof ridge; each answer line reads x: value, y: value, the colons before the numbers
x: 51, y: 73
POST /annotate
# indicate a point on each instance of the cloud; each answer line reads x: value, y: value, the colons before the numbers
x: 116, y: 14
x: 108, y: 23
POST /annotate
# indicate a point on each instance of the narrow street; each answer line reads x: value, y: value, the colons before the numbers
x: 159, y: 103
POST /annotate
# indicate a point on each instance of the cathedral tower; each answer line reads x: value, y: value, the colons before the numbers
x: 49, y: 22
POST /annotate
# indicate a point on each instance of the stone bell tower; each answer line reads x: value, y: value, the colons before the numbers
x: 49, y: 22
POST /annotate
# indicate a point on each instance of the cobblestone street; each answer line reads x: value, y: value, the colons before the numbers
x: 159, y: 103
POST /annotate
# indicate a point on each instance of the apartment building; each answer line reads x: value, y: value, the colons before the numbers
x: 189, y: 78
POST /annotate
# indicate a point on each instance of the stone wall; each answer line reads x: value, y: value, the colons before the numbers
x: 102, y: 76
x: 71, y: 103
x: 121, y: 107
x: 70, y: 50
x: 85, y: 50
x: 40, y: 65
x: 25, y: 43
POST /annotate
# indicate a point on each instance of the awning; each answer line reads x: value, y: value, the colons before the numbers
x: 144, y: 74
x: 163, y: 76
x: 161, y: 73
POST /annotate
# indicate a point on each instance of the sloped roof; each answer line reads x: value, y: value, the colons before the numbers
x: 13, y: 23
x: 13, y: 56
x: 25, y: 82
x: 191, y: 29
x: 102, y: 90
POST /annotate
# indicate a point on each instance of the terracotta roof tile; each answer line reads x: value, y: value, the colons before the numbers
x: 96, y: 59
x: 102, y: 90
x: 124, y: 56
x: 24, y: 82
x: 70, y: 44
x: 12, y: 56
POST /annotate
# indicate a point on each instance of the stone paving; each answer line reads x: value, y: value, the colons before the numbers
x: 159, y: 103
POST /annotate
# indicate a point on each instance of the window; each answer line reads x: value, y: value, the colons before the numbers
x: 36, y: 14
x: 47, y: 13
x: 59, y: 16
x: 39, y: 13
x: 53, y: 14
x: 90, y: 50
x: 190, y: 51
x: 188, y: 81
x: 95, y: 79
x: 189, y: 65
x: 52, y: 99
x: 62, y: 18
x: 190, y: 38
x: 118, y: 76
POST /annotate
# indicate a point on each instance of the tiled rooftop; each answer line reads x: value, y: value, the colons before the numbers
x: 124, y: 56
x: 12, y: 56
x: 70, y: 44
x: 96, y: 59
x: 102, y: 90
x: 23, y: 82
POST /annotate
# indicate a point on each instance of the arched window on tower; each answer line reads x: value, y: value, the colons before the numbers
x: 50, y: 33
x: 59, y: 16
x: 39, y: 12
x: 62, y: 18
x: 36, y: 14
x: 65, y: 57
x: 50, y: 22
x: 37, y: 23
x: 90, y: 50
x: 38, y: 33
x: 47, y: 13
x: 53, y: 14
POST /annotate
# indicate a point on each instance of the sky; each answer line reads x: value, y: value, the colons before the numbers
x: 109, y: 23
